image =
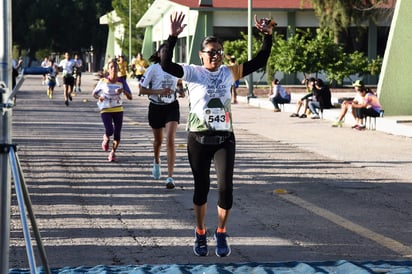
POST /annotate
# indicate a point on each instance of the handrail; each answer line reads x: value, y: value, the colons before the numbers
x: 20, y: 200
x: 28, y: 203
x: 19, y: 82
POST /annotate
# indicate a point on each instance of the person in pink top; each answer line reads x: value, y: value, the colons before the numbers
x: 347, y: 105
x: 369, y: 107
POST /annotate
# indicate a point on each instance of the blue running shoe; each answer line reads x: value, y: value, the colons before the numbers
x: 200, y: 248
x: 156, y: 171
x: 222, y: 247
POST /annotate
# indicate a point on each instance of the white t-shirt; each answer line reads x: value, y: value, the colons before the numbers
x: 358, y: 98
x: 156, y: 78
x: 209, y: 98
x: 45, y: 64
x: 108, y: 90
x: 78, y: 63
x: 67, y: 66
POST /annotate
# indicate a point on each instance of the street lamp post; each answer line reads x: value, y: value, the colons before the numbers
x: 249, y: 45
x: 91, y: 58
x: 130, y: 31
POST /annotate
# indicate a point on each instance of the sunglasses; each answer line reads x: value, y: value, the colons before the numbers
x: 214, y: 52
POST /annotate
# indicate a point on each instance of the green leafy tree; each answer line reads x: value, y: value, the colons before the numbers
x: 239, y: 47
x: 338, y: 15
x: 308, y: 53
x: 294, y: 54
x: 43, y: 26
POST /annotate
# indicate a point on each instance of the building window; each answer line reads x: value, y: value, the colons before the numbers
x: 383, y: 34
x: 180, y: 50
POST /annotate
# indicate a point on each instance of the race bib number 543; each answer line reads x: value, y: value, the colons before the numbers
x: 217, y: 119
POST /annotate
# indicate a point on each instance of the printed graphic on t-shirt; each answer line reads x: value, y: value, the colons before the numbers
x: 111, y: 98
x: 168, y: 82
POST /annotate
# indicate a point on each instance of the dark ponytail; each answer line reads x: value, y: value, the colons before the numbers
x: 155, y: 58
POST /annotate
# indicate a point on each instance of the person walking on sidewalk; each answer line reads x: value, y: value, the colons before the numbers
x: 108, y: 92
x: 163, y: 114
x: 210, y: 127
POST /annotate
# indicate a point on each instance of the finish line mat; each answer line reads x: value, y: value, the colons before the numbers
x: 338, y: 267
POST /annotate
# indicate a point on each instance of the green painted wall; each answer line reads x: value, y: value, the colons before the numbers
x: 394, y: 89
x: 109, y: 47
x: 204, y: 28
x: 148, y: 47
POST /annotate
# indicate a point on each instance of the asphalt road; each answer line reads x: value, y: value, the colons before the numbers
x: 303, y: 191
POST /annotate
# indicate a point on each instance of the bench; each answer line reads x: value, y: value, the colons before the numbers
x: 370, y: 121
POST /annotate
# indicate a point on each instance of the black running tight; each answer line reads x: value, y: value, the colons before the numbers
x: 200, y: 158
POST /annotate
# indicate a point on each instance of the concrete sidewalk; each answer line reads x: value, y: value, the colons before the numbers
x: 397, y: 125
x: 389, y: 152
x: 388, y: 147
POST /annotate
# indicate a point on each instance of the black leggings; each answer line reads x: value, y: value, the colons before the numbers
x: 200, y: 158
x: 363, y: 112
